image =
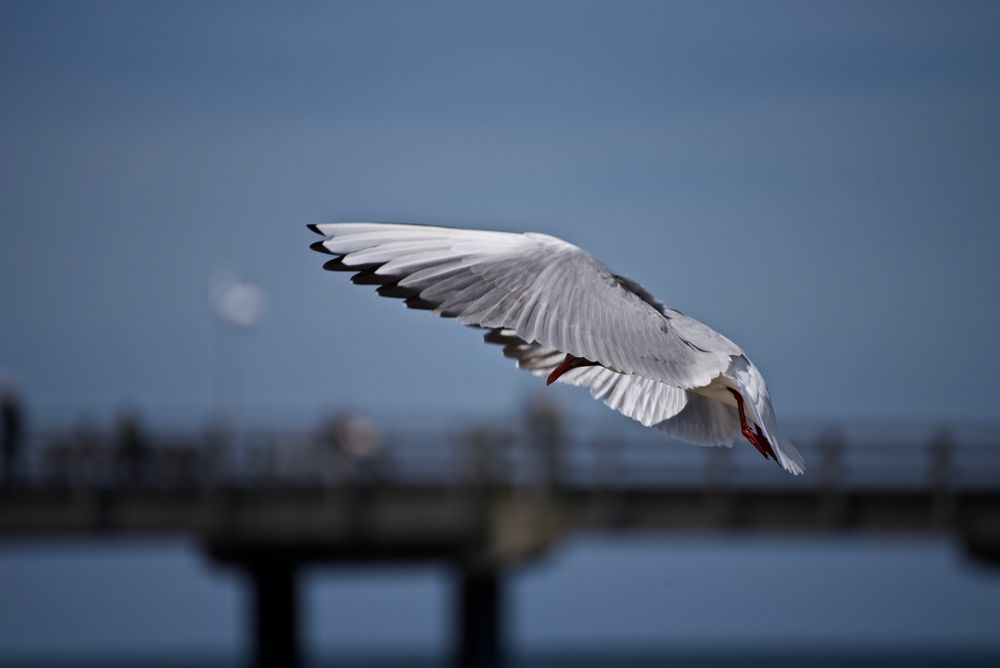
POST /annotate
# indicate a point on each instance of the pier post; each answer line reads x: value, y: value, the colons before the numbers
x: 274, y: 615
x: 479, y: 618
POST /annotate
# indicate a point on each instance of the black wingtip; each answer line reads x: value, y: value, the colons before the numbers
x: 495, y: 336
x: 337, y: 264
x: 369, y: 277
x: 320, y: 247
x: 315, y: 228
x: 394, y: 290
x: 419, y: 304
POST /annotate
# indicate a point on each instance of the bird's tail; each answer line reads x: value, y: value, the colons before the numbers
x: 754, y: 390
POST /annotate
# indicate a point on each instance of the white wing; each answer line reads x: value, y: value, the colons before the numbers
x: 543, y: 289
x: 646, y: 401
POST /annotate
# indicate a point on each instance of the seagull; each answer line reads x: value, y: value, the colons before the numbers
x: 562, y: 314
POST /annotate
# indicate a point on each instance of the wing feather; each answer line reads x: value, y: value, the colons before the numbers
x: 703, y: 421
x: 542, y: 288
x: 646, y: 401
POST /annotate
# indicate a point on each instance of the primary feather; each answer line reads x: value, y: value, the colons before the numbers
x: 542, y: 298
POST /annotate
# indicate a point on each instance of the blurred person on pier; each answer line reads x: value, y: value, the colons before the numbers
x: 11, y: 432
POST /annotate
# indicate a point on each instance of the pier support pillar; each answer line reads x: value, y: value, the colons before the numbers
x: 274, y: 615
x: 479, y: 618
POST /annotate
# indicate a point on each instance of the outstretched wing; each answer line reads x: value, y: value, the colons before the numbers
x: 646, y: 401
x: 542, y: 289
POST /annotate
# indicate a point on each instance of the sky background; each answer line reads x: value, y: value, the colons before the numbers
x: 820, y: 181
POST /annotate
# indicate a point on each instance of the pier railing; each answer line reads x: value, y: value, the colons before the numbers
x: 599, y: 459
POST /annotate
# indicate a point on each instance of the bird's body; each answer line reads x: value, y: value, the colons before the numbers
x: 562, y: 314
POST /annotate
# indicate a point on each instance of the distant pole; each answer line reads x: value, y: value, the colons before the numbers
x: 239, y: 305
x: 833, y: 502
x: 941, y: 450
x: 11, y: 432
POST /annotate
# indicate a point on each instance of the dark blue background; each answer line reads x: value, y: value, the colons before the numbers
x: 817, y: 180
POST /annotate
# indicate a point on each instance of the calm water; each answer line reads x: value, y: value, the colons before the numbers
x: 569, y: 660
x: 598, y: 602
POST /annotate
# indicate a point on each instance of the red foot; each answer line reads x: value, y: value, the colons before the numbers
x: 758, y: 440
x: 570, y: 362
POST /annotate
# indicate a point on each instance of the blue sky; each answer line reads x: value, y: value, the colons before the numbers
x: 816, y: 180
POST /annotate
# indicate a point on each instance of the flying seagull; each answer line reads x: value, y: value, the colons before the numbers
x: 562, y: 314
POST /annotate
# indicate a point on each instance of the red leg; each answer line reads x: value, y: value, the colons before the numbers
x: 758, y: 440
x: 570, y: 362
